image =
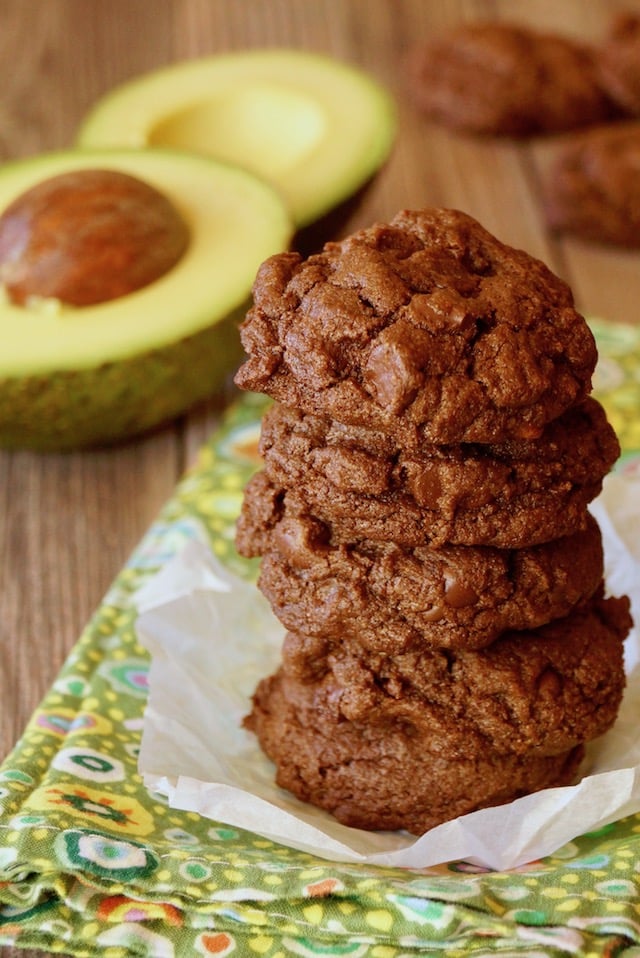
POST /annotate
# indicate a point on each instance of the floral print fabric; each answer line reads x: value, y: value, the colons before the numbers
x: 92, y: 864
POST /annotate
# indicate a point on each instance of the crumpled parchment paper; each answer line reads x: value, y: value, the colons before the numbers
x: 212, y: 637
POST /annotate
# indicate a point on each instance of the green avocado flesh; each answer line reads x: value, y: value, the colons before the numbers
x: 77, y: 376
x: 315, y: 128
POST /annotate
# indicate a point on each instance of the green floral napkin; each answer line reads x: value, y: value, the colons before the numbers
x: 92, y: 864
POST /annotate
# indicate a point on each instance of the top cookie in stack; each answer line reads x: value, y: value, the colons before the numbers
x: 422, y: 518
x: 428, y: 329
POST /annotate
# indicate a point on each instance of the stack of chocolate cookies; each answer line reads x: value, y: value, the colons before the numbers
x: 422, y: 518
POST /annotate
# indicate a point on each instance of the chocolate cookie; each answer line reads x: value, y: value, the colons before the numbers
x: 593, y: 188
x: 540, y: 691
x: 505, y: 79
x: 429, y: 329
x: 509, y: 495
x: 385, y: 776
x: 392, y: 600
x: 618, y: 62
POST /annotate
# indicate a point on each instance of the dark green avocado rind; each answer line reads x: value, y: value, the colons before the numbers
x: 87, y: 376
x: 114, y: 401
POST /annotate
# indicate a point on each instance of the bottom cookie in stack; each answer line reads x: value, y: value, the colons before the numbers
x: 412, y: 740
x: 385, y: 777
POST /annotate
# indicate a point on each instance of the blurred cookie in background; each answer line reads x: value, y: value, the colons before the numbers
x: 507, y: 79
x: 619, y: 63
x: 592, y: 188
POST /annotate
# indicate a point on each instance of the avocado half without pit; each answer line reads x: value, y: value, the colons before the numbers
x: 314, y: 128
x: 123, y: 274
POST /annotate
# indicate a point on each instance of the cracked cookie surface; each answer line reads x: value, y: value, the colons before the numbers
x: 391, y: 599
x: 509, y: 495
x: 540, y: 690
x: 427, y: 328
x: 408, y: 741
x: 385, y: 777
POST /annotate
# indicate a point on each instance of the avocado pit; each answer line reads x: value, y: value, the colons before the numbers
x: 87, y: 237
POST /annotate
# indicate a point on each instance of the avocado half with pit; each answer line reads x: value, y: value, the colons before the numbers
x: 89, y: 373
x: 316, y: 129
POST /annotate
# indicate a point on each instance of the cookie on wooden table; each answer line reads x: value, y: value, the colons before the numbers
x: 592, y: 190
x: 507, y: 79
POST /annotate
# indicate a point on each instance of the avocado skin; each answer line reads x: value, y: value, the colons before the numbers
x: 70, y: 410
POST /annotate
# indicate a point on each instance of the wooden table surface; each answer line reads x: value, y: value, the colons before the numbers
x: 69, y: 521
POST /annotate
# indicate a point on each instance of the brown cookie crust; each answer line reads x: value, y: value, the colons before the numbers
x: 384, y: 776
x: 508, y: 495
x: 392, y: 600
x: 505, y: 79
x: 593, y: 189
x: 618, y: 63
x: 427, y: 329
x: 540, y: 691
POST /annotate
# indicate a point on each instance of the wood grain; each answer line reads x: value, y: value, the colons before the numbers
x: 68, y: 522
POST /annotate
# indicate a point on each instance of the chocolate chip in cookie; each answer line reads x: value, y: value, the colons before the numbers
x: 392, y: 599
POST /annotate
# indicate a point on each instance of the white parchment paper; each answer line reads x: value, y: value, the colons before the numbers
x: 212, y: 637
